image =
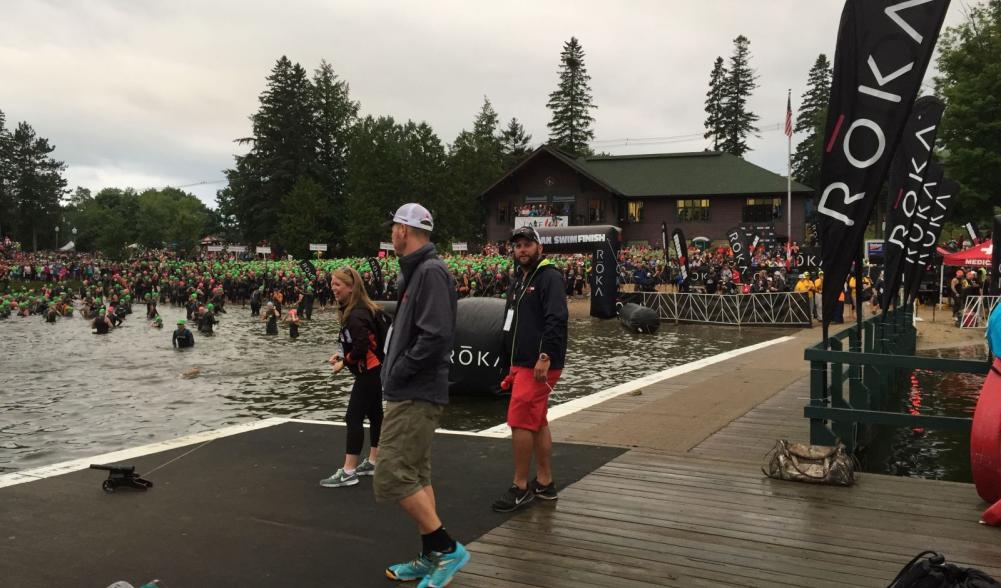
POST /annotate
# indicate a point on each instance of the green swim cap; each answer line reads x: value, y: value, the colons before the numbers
x: 210, y: 306
x: 181, y: 321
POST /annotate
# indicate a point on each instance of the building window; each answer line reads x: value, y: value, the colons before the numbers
x: 762, y: 210
x: 596, y: 210
x: 502, y: 213
x: 693, y: 210
x: 635, y: 211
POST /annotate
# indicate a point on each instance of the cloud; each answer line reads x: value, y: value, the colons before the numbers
x: 141, y: 93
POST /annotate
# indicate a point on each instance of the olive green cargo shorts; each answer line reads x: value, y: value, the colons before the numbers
x: 404, y: 465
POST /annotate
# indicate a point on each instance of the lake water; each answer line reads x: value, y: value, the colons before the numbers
x: 65, y: 393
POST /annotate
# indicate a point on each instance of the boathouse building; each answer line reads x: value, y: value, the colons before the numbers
x: 703, y: 193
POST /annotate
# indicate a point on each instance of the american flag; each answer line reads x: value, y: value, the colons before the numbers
x: 789, y: 114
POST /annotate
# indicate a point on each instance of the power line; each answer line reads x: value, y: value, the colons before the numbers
x: 202, y: 182
x: 645, y: 141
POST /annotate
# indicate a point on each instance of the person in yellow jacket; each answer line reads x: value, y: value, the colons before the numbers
x: 818, y: 289
x: 804, y: 285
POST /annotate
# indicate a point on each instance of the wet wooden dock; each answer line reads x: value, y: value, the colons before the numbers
x: 708, y: 517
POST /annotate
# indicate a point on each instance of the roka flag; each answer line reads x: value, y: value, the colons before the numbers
x: 931, y: 223
x: 907, y: 172
x: 307, y: 268
x: 932, y: 205
x: 681, y: 252
x: 380, y: 287
x: 741, y: 254
x: 972, y: 230
x: 996, y: 258
x: 883, y: 51
x: 663, y: 240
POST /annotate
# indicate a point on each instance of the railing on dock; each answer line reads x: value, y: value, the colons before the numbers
x: 784, y: 309
x: 850, y: 389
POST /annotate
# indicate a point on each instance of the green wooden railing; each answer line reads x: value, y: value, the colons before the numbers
x: 850, y: 389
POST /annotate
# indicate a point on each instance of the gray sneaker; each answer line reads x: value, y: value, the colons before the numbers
x: 365, y: 468
x: 340, y: 479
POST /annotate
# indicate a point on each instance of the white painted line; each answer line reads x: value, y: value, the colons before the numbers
x: 578, y: 404
x: 442, y: 431
x: 74, y: 465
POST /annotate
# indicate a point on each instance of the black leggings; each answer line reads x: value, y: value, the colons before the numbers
x: 366, y: 401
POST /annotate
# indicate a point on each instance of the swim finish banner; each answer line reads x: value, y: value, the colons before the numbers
x: 884, y: 47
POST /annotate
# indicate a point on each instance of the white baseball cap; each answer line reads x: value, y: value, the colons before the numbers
x: 413, y: 215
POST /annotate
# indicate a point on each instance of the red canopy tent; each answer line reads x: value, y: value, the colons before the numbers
x: 976, y: 256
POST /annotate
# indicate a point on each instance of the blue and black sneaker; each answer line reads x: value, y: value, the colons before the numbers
x: 446, y: 565
x: 411, y: 570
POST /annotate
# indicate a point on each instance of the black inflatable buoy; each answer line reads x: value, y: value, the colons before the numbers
x: 479, y: 362
x: 638, y: 318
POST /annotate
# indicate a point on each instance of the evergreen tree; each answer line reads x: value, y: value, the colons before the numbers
x: 515, y: 144
x: 475, y: 161
x: 811, y: 119
x: 572, y: 127
x: 375, y: 184
x: 283, y: 149
x: 37, y: 185
x: 969, y: 83
x: 6, y: 179
x: 714, y: 103
x: 737, y: 120
x: 335, y: 114
x: 304, y: 218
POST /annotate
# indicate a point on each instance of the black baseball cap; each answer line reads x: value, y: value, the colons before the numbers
x: 524, y: 233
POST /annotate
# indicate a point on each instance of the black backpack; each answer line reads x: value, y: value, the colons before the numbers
x: 933, y: 572
x: 382, y: 322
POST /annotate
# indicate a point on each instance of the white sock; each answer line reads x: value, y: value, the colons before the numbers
x: 350, y: 472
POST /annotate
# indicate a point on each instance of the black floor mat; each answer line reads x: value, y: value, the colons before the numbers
x: 247, y: 510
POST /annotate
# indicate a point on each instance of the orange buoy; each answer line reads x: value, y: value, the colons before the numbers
x: 985, y: 439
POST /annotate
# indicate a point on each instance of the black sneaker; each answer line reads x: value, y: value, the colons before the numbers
x: 513, y: 499
x: 547, y: 492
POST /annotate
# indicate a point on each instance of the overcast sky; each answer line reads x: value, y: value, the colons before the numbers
x: 153, y: 93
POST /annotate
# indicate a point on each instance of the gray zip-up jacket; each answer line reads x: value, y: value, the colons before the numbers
x: 423, y: 331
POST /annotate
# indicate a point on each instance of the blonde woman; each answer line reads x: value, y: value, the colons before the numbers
x: 359, y: 342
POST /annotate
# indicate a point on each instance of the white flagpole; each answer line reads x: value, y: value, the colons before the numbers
x: 789, y: 193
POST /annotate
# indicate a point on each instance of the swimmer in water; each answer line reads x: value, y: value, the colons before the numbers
x: 102, y: 324
x: 182, y: 337
x: 293, y: 323
x: 207, y: 320
x: 271, y: 315
x: 157, y: 322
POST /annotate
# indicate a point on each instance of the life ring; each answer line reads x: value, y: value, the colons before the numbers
x: 985, y: 437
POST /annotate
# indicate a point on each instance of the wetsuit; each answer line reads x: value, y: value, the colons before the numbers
x: 255, y: 303
x: 272, y: 328
x: 206, y: 322
x: 182, y: 339
x: 293, y: 329
x: 101, y: 326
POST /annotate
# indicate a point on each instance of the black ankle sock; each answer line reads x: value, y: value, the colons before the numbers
x: 437, y: 541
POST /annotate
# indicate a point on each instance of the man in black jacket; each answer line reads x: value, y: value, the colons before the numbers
x: 536, y: 327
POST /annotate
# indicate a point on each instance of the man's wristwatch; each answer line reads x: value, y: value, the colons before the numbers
x: 543, y: 357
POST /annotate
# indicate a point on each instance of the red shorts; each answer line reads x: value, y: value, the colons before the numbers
x: 529, y: 399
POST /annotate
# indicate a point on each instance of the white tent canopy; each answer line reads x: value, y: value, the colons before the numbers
x: 71, y: 246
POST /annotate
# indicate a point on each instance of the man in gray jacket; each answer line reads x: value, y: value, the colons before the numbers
x: 415, y: 387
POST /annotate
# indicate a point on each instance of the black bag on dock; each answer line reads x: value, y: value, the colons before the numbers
x: 933, y: 572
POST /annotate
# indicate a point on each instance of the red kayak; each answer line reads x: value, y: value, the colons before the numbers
x: 985, y: 437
